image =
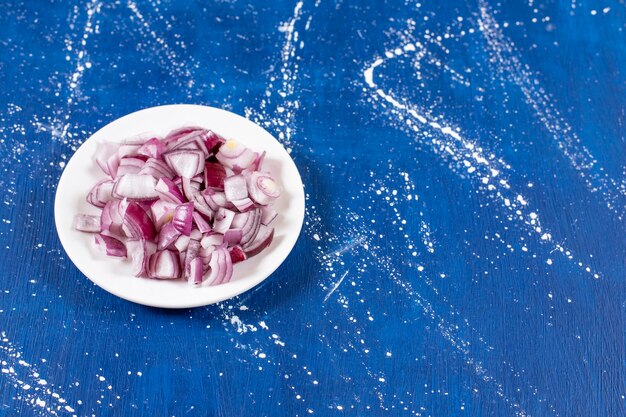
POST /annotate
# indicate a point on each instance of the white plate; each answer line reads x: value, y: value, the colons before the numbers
x: 115, y: 275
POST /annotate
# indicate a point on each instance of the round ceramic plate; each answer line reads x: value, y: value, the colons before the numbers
x: 114, y: 274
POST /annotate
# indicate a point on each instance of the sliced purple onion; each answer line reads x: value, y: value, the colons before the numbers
x: 162, y: 212
x: 168, y: 236
x: 156, y: 168
x: 128, y: 149
x: 268, y: 215
x: 127, y: 169
x: 188, y: 189
x: 101, y: 193
x: 213, y: 141
x: 235, y: 188
x: 228, y: 265
x: 223, y: 220
x: 137, y: 224
x: 262, y: 188
x: 251, y: 229
x: 135, y: 187
x: 176, y: 134
x: 132, y: 161
x: 195, y: 196
x: 214, y: 176
x: 164, y: 265
x: 193, y: 271
x: 244, y: 204
x: 237, y: 254
x: 205, y: 254
x: 168, y: 191
x: 221, y: 267
x: 235, y: 156
x: 87, y: 223
x: 194, y: 141
x: 110, y: 246
x: 202, y: 207
x: 182, y: 243
x: 203, y: 225
x: 232, y: 237
x: 214, y: 199
x: 183, y: 217
x: 152, y: 148
x: 196, y: 270
x: 256, y: 165
x: 212, y: 239
x: 112, y: 218
x: 185, y: 163
x: 113, y: 162
x: 140, y: 251
x: 105, y: 151
x: 261, y: 241
x: 249, y: 223
x: 195, y: 235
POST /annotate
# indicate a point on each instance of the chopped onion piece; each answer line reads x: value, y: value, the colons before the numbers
x: 262, y: 188
x: 112, y: 218
x: 131, y: 161
x: 164, y: 265
x: 168, y: 191
x: 140, y: 251
x: 110, y: 246
x: 136, y: 187
x: 214, y: 175
x: 213, y: 141
x: 185, y: 163
x: 168, y: 236
x: 221, y: 267
x: 202, y: 224
x: 237, y: 254
x: 87, y: 223
x: 112, y: 164
x: 183, y: 217
x: 176, y: 134
x: 214, y: 199
x: 195, y: 234
x: 162, y: 212
x: 212, y: 239
x: 236, y: 156
x: 182, y: 243
x: 101, y: 193
x: 193, y: 269
x: 235, y: 188
x: 193, y: 140
x: 137, y: 224
x: 105, y: 151
x: 232, y: 237
x: 268, y: 215
x: 262, y: 240
x: 223, y: 220
x: 126, y: 149
x: 152, y: 148
x: 156, y: 168
x: 244, y: 204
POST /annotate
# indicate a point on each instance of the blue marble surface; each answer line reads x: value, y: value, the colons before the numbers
x: 463, y: 249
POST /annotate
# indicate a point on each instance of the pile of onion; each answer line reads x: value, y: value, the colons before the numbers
x: 186, y: 206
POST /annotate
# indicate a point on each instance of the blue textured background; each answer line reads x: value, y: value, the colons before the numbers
x: 463, y: 252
